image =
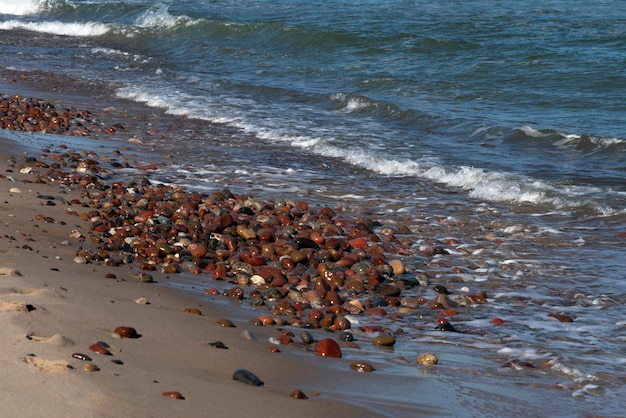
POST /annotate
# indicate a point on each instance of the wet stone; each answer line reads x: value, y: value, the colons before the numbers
x: 247, y: 377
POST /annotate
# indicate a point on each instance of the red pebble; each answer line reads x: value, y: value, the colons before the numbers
x: 100, y: 349
x: 497, y: 321
x: 173, y: 395
x: 358, y: 243
x: 328, y: 348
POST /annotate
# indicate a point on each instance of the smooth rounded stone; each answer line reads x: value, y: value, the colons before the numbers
x: 81, y: 259
x: 143, y: 278
x: 90, y: 367
x: 247, y: 335
x: 127, y: 332
x: 427, y: 359
x: 345, y: 336
x: 298, y: 394
x: 307, y: 337
x: 100, y: 348
x: 257, y: 280
x: 241, y: 267
x: 173, y: 395
x: 386, y: 290
x: 227, y: 323
x: 385, y: 339
x: 110, y: 276
x: 218, y: 344
x: 141, y: 301
x: 398, y: 267
x: 409, y: 302
x: 81, y: 356
x: 193, y: 311
x: 235, y: 293
x: 361, y: 267
x: 328, y: 348
x: 361, y: 366
x: 197, y: 250
x: 247, y: 377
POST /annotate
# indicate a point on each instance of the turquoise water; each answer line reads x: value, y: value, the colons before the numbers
x: 497, y: 115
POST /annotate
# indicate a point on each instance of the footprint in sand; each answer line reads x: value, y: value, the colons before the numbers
x: 9, y: 271
x: 53, y: 366
x: 16, y: 307
x: 56, y: 339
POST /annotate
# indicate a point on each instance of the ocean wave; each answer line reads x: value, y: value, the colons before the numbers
x: 84, y: 29
x: 22, y: 7
x: 479, y: 183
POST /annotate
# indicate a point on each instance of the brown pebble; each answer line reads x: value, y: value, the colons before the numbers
x: 328, y: 348
x: 361, y: 366
x: 173, y: 395
x: 385, y: 339
x: 90, y: 367
x: 193, y: 311
x: 110, y: 276
x: 227, y: 323
x: 298, y: 394
x: 100, y: 348
x: 127, y: 332
x: 427, y: 359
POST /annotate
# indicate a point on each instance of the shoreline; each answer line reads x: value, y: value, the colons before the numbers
x: 58, y: 308
x: 174, y: 346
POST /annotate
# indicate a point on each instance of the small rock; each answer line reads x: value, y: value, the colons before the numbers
x: 218, y: 344
x: 80, y: 259
x: 247, y: 377
x: 298, y: 394
x: 227, y: 323
x: 173, y: 395
x: 328, y: 348
x: 127, y: 332
x: 143, y: 278
x: 361, y: 366
x: 141, y: 301
x: 427, y: 359
x: 385, y: 339
x: 90, y: 367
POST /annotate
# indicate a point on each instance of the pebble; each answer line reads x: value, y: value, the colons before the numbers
x: 247, y: 377
x: 100, y: 348
x: 81, y: 356
x: 173, y: 395
x: 227, y: 323
x: 427, y: 359
x: 127, y: 332
x: 298, y: 394
x: 328, y: 348
x: 218, y: 344
x: 193, y: 311
x: 306, y: 337
x: 384, y: 339
x: 14, y: 190
x: 141, y: 301
x: 361, y: 366
x: 144, y: 278
x: 247, y: 335
x: 81, y: 259
x: 90, y: 367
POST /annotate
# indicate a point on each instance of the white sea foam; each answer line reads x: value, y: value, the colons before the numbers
x: 479, y: 183
x: 158, y: 17
x: 22, y: 7
x: 58, y: 28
